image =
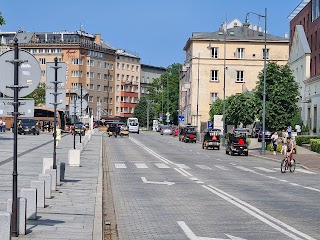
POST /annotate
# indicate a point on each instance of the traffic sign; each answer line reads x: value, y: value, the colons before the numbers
x: 181, y: 118
x: 61, y: 98
x: 29, y: 73
x: 84, y: 92
x: 61, y: 74
x: 168, y: 118
x: 209, y: 124
x: 26, y: 107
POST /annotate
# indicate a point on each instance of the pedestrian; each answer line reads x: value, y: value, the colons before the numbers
x: 58, y: 135
x: 298, y: 129
x: 3, y: 126
x: 274, y: 139
x: 1, y: 122
x: 289, y: 131
x: 284, y: 142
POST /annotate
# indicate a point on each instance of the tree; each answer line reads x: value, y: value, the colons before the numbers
x: 281, y: 96
x: 216, y: 108
x: 140, y: 111
x: 159, y: 91
x: 39, y: 95
x: 2, y: 21
x: 240, y: 108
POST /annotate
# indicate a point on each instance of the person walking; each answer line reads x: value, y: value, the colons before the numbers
x: 58, y: 135
x: 274, y: 139
x: 1, y: 122
x: 3, y: 126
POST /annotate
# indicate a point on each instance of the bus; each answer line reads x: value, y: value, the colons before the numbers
x: 133, y: 125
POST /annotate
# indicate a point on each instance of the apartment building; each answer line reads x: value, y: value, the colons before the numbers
x: 147, y: 76
x: 90, y: 64
x: 127, y: 85
x: 305, y: 59
x: 234, y: 56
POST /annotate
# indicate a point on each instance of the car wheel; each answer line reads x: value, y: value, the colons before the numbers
x: 246, y: 153
x: 227, y: 152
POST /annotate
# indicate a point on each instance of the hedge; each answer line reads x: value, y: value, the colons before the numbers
x: 279, y: 147
x: 304, y: 139
x: 315, y: 145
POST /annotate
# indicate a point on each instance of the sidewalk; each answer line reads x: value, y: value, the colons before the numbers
x: 305, y: 158
x: 75, y: 210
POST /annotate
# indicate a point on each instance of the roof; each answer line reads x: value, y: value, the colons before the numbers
x: 237, y: 33
x: 302, y: 4
x: 303, y: 39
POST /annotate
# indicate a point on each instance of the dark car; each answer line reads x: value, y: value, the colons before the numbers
x: 211, y: 138
x: 79, y: 129
x: 237, y: 144
x: 255, y: 129
x: 267, y: 135
x: 188, y: 134
x: 28, y: 126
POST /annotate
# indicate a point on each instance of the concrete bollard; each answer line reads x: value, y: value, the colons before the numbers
x: 22, y: 214
x: 58, y: 174
x: 47, y: 163
x: 30, y: 194
x: 39, y: 185
x: 53, y: 173
x: 74, y: 157
x: 62, y: 170
x: 47, y: 184
x: 5, y: 225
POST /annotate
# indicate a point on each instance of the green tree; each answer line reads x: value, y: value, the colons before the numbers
x: 140, y: 111
x: 164, y: 92
x: 281, y: 96
x: 39, y: 95
x: 2, y: 21
x: 216, y: 108
x: 240, y: 108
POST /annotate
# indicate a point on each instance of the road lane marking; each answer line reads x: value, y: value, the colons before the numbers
x: 153, y: 182
x: 304, y: 171
x: 221, y: 167
x: 265, y: 169
x: 141, y: 165
x: 120, y: 165
x: 182, y: 166
x: 186, y: 172
x: 162, y: 165
x: 311, y: 188
x: 257, y: 213
x: 204, y: 167
x: 179, y: 171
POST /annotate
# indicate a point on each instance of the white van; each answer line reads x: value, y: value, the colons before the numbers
x: 133, y: 125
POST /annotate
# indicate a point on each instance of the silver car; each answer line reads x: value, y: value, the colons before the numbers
x: 166, y: 130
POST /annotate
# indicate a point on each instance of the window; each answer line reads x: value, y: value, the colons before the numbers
x: 105, y: 100
x: 105, y: 77
x: 76, y: 73
x: 90, y: 98
x: 42, y: 60
x: 90, y: 63
x: 98, y: 75
x: 110, y: 77
x: 118, y: 65
x: 106, y: 65
x: 128, y: 67
x: 132, y: 68
x: 214, y: 52
x: 90, y: 75
x: 105, y: 88
x: 265, y: 53
x: 98, y: 88
x: 76, y: 61
x: 137, y: 68
x: 214, y: 75
x: 213, y: 97
x: 91, y: 87
x: 111, y: 66
x: 240, y: 53
x: 99, y: 64
x: 43, y: 73
x: 122, y: 66
x: 240, y: 77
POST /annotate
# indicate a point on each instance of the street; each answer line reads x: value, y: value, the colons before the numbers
x: 166, y: 189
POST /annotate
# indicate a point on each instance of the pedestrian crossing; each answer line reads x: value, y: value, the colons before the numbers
x: 162, y: 165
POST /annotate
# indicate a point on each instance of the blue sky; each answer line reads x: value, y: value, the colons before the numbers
x: 156, y: 30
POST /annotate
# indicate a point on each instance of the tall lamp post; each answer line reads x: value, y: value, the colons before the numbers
x: 263, y: 147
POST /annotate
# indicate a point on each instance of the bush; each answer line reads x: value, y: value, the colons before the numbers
x: 304, y: 139
x: 315, y: 145
x: 270, y: 147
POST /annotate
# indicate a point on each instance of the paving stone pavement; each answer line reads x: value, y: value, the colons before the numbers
x: 74, y: 211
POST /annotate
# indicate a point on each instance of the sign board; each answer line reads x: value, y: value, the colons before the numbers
x: 84, y: 92
x: 181, y: 118
x: 78, y: 106
x: 218, y: 121
x: 209, y: 124
x: 26, y: 108
x: 61, y: 98
x: 61, y: 74
x: 29, y: 73
x: 168, y: 119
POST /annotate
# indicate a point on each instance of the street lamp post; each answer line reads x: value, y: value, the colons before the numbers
x: 198, y: 93
x: 263, y: 147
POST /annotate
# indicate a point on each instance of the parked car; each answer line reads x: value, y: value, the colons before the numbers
x: 27, y: 126
x: 267, y: 135
x: 79, y: 129
x: 160, y: 126
x: 255, y: 129
x: 166, y: 130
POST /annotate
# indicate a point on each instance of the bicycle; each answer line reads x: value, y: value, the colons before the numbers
x: 286, y: 164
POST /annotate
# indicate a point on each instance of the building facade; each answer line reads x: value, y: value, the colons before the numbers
x: 232, y: 56
x: 305, y: 60
x: 147, y: 76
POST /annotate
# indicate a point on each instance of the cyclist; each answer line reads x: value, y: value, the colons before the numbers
x: 290, y: 147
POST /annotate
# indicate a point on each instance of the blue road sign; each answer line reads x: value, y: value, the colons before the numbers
x: 181, y: 118
x: 209, y: 124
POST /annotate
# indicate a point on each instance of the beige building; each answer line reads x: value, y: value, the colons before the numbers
x: 234, y: 56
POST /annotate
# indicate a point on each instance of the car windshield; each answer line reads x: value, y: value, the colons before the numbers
x: 28, y: 121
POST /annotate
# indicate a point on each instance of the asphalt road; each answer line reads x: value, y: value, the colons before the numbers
x: 166, y: 189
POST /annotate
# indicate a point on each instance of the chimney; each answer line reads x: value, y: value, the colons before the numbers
x: 98, y: 39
